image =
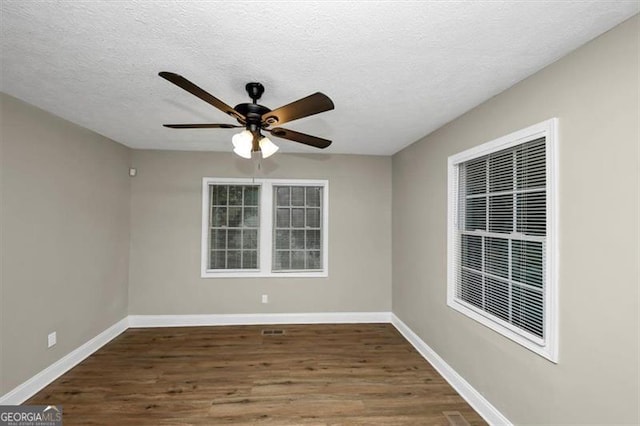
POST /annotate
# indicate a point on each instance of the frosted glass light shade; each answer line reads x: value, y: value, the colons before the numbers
x: 243, y: 154
x: 243, y: 143
x: 267, y: 147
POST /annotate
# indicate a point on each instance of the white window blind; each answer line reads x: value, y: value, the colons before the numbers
x: 502, y: 225
x: 499, y: 237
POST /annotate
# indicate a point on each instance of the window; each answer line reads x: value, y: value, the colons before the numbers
x: 234, y: 227
x: 298, y: 228
x: 502, y: 240
x: 264, y: 228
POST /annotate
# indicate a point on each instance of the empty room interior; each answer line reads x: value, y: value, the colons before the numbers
x: 320, y: 213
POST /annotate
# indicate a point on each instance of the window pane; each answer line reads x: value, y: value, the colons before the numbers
x: 313, y: 218
x: 220, y: 195
x: 297, y: 196
x: 297, y: 218
x: 282, y: 218
x: 250, y: 217
x: 472, y: 252
x: 233, y: 259
x: 527, y: 258
x: 474, y: 177
x: 313, y: 240
x: 532, y: 213
x: 249, y: 259
x: 250, y: 195
x: 235, y: 195
x: 250, y: 239
x: 313, y: 196
x: 297, y: 260
x: 297, y: 239
x: 501, y: 171
x: 313, y: 260
x: 497, y: 256
x: 218, y: 259
x: 282, y: 197
x: 282, y: 239
x: 219, y: 239
x: 501, y: 213
x: 531, y: 165
x: 497, y: 298
x: 282, y: 260
x: 235, y: 217
x: 476, y: 214
x: 527, y: 311
x: 470, y: 289
x: 234, y: 239
x: 219, y: 216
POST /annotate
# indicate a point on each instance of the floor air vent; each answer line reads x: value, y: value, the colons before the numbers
x: 455, y: 418
x: 272, y: 332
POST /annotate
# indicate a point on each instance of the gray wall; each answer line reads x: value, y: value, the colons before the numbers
x: 165, y: 236
x: 65, y: 237
x: 594, y: 92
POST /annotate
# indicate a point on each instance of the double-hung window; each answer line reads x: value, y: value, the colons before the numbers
x: 502, y: 238
x: 298, y: 228
x: 264, y: 228
x: 233, y: 227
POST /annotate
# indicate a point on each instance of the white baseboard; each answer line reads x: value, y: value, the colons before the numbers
x: 472, y: 396
x: 141, y: 321
x: 29, y: 388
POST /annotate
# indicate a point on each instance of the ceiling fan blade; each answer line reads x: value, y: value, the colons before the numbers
x: 312, y: 104
x: 185, y: 84
x: 201, y: 126
x: 300, y: 137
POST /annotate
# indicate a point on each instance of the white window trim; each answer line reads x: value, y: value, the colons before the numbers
x: 266, y: 229
x: 547, y: 347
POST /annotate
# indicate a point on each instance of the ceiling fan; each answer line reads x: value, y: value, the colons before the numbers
x: 256, y: 118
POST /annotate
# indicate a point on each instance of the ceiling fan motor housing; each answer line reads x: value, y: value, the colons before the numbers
x: 255, y: 90
x: 253, y: 113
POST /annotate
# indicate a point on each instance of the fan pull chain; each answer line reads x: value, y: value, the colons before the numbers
x: 258, y: 167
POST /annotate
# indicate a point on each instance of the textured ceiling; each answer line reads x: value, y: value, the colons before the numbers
x: 396, y: 71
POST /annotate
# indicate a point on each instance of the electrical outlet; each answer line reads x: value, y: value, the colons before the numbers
x: 265, y: 298
x: 51, y: 339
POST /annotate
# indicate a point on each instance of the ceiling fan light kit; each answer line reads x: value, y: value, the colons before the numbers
x: 256, y: 118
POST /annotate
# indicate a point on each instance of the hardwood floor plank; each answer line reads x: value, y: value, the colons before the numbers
x: 355, y: 374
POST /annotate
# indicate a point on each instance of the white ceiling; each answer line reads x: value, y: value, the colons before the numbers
x: 396, y: 71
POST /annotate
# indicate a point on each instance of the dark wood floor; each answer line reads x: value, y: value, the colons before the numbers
x: 362, y: 374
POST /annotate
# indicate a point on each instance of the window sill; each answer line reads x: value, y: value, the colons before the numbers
x: 259, y: 274
x: 537, y: 346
